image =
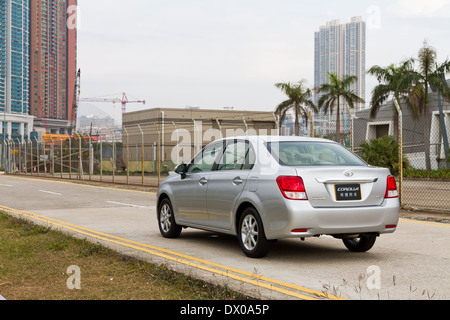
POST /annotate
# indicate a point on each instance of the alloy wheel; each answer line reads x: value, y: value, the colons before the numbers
x: 165, y: 218
x: 249, y: 232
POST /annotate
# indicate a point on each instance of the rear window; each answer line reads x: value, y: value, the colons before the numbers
x: 300, y: 153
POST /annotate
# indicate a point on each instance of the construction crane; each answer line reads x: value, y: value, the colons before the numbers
x: 124, y: 101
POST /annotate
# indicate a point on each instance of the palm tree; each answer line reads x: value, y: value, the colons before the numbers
x: 333, y: 92
x: 395, y: 81
x: 299, y: 99
x: 429, y: 73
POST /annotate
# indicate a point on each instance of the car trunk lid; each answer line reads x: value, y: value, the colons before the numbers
x: 344, y: 187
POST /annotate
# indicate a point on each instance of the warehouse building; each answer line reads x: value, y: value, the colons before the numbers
x: 182, y: 132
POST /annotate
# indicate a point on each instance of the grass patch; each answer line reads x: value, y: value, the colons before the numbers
x: 433, y: 174
x: 34, y: 261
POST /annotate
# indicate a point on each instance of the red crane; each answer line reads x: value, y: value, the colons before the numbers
x: 124, y: 101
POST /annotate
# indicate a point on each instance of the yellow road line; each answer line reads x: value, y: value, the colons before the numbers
x: 168, y: 254
x: 81, y: 184
x: 430, y: 223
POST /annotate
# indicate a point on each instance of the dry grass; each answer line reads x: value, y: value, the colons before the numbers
x: 34, y: 262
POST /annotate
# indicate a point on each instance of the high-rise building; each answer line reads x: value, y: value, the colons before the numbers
x: 53, y: 64
x: 340, y: 49
x: 14, y: 70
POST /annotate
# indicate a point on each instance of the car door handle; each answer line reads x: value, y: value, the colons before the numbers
x: 238, y: 180
x: 203, y: 181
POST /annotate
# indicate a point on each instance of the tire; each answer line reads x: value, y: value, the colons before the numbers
x: 166, y: 220
x: 362, y: 244
x: 251, y: 234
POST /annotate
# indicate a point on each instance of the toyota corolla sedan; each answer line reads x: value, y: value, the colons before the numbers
x: 264, y: 188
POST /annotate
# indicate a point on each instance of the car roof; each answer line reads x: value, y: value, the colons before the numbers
x: 267, y: 138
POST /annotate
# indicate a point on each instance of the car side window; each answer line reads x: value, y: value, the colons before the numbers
x: 238, y: 155
x: 204, y: 161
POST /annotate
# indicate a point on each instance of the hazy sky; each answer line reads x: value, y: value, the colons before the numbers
x: 230, y: 53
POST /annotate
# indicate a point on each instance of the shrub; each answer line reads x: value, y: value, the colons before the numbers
x: 433, y: 174
x: 383, y: 152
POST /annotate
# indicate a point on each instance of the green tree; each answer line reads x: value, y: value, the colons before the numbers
x: 335, y: 93
x: 299, y: 100
x: 428, y: 73
x: 382, y: 152
x: 394, y: 81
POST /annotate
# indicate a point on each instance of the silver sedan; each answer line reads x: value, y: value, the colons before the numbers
x: 264, y: 188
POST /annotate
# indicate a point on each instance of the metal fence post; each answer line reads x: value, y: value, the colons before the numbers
x: 443, y: 129
x: 114, y: 157
x: 80, y: 159
x: 178, y: 139
x: 61, y: 155
x: 31, y: 157
x: 400, y: 150
x: 45, y: 159
x: 37, y: 155
x: 352, y: 148
x: 8, y: 155
x: 128, y: 155
x: 101, y: 158
x: 142, y: 153
x: 158, y: 154
x: 90, y: 158
x: 14, y: 156
x: 25, y: 168
x: 70, y: 157
x: 277, y: 124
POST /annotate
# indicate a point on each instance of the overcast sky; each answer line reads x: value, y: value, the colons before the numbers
x: 230, y: 53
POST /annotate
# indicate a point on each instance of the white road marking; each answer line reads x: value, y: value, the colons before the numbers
x: 126, y: 204
x: 5, y: 185
x: 50, y: 192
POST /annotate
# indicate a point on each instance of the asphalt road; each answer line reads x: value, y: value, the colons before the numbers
x: 413, y: 263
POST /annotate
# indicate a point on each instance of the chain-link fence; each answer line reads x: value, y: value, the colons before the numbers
x: 143, y: 154
x: 424, y: 173
x: 83, y: 157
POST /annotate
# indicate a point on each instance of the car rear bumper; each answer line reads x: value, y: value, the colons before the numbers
x: 280, y: 218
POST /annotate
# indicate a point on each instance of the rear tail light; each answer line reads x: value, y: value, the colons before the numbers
x: 391, y: 189
x: 292, y: 188
x: 299, y: 230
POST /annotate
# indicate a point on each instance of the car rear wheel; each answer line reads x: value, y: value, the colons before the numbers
x: 361, y: 244
x: 166, y: 219
x: 251, y: 234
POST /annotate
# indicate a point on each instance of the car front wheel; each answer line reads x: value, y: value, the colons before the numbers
x: 251, y: 234
x: 166, y: 220
x: 360, y: 244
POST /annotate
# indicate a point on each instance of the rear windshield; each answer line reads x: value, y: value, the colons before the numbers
x: 299, y: 153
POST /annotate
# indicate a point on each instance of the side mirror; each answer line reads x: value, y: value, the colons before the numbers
x: 181, y: 170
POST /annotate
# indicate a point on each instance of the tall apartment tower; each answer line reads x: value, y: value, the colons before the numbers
x: 14, y: 70
x: 340, y: 49
x: 53, y: 47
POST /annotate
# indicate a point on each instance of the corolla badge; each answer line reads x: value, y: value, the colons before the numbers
x: 348, y: 173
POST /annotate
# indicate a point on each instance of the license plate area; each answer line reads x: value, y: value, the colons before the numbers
x: 347, y: 192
